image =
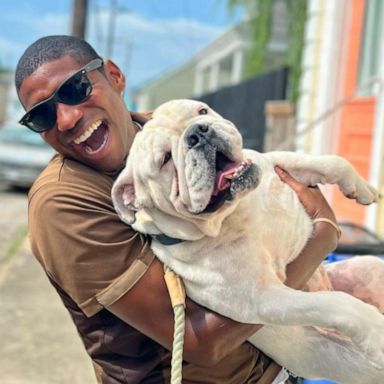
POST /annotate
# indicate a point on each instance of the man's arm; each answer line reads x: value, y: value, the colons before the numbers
x: 209, y: 337
x: 325, y: 236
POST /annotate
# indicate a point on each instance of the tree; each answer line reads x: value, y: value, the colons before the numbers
x: 260, y: 13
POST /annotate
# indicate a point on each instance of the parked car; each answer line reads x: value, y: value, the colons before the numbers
x: 23, y: 155
x: 358, y: 240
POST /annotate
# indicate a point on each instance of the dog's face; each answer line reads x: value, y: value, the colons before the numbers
x: 187, y: 163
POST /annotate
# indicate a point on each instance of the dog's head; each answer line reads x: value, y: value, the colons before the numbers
x: 186, y: 165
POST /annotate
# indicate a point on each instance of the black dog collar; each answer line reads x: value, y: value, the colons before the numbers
x: 166, y: 240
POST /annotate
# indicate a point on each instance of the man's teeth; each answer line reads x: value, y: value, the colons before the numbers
x: 87, y: 134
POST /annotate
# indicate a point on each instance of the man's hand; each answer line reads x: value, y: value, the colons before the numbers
x: 311, y: 197
x: 325, y: 236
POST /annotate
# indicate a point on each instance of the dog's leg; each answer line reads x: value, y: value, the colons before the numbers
x: 314, y: 355
x: 363, y: 323
x: 360, y: 276
x: 328, y: 169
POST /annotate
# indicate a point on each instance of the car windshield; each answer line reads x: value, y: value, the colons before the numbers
x: 20, y: 136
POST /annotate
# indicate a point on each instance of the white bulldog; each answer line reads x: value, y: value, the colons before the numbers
x: 187, y: 177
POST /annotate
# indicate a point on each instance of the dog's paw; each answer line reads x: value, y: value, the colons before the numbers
x: 355, y: 187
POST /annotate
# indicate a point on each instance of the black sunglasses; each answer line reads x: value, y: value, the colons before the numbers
x: 74, y: 90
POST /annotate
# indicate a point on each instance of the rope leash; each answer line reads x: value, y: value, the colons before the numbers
x: 177, y: 294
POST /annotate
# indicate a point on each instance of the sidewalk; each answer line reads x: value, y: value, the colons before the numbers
x: 38, y: 342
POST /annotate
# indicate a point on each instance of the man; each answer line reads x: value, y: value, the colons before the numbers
x: 104, y: 272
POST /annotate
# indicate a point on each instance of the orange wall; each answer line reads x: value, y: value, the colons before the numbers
x: 355, y: 144
x: 356, y: 119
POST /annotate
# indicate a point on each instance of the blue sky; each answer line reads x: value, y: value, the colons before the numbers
x: 151, y: 36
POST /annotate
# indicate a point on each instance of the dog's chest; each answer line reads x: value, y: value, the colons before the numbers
x: 269, y: 227
x: 278, y: 220
x: 227, y: 273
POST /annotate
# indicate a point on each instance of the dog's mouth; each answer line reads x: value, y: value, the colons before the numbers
x: 231, y: 177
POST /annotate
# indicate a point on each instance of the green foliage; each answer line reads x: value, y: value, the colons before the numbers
x: 260, y: 32
x: 15, y: 244
x: 233, y: 3
x: 297, y: 11
x: 3, y: 69
x: 260, y: 35
x: 261, y: 26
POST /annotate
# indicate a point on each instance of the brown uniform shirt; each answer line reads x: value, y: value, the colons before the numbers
x: 92, y: 259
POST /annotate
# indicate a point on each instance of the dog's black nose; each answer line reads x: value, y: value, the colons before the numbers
x: 196, y: 134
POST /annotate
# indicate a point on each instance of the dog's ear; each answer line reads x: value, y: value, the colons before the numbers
x: 123, y: 198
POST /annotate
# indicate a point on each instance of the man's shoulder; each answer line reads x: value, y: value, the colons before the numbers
x: 63, y: 174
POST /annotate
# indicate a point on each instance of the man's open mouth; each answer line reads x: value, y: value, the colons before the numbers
x: 93, y: 140
x: 228, y: 175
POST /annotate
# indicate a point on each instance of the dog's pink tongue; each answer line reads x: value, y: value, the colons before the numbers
x: 221, y: 178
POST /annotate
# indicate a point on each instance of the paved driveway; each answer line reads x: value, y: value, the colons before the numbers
x: 39, y: 344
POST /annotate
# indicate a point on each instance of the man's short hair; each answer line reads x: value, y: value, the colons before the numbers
x: 52, y: 48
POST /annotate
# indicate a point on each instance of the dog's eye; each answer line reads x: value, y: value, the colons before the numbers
x: 166, y: 158
x: 203, y: 111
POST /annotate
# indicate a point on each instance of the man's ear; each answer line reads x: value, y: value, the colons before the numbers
x: 114, y: 75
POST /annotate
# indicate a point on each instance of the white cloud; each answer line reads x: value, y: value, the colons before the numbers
x: 153, y: 45
x: 24, y: 30
x: 150, y: 45
x: 46, y: 23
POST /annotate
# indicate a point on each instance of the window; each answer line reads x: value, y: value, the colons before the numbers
x: 372, y: 44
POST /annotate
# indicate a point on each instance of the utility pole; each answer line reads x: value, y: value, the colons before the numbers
x: 79, y: 18
x: 128, y: 57
x: 111, y: 30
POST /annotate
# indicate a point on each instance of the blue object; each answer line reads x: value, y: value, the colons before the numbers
x: 333, y: 257
x: 357, y: 241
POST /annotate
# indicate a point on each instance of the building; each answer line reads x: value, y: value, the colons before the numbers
x: 219, y: 64
x: 341, y: 109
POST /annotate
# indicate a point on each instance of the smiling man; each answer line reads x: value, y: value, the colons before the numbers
x: 84, y: 104
x: 104, y: 272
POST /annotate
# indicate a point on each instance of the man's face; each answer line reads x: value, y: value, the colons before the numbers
x: 97, y: 132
